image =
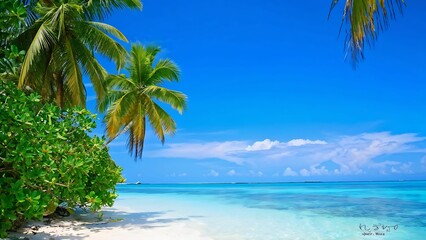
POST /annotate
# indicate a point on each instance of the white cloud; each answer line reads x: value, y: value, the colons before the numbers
x: 351, y: 154
x: 88, y: 85
x: 267, y: 144
x: 231, y: 172
x: 304, y: 172
x: 384, y: 164
x: 289, y: 172
x: 222, y: 150
x: 354, y: 152
x: 318, y: 170
x: 301, y: 142
x: 404, y: 168
x: 213, y: 173
x: 315, y: 171
x: 262, y: 145
x: 256, y: 173
x: 177, y: 175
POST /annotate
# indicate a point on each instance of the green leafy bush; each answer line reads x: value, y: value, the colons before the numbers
x: 48, y: 158
x: 10, y: 64
x: 12, y: 20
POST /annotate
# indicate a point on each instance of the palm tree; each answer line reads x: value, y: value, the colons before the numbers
x: 62, y: 46
x: 132, y: 100
x: 365, y: 19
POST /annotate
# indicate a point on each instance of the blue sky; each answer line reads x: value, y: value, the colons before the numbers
x: 271, y: 98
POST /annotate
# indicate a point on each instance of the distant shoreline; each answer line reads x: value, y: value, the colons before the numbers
x: 242, y: 183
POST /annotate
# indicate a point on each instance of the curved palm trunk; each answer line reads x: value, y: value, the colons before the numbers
x: 59, y: 90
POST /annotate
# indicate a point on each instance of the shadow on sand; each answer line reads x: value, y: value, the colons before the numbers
x: 81, y: 222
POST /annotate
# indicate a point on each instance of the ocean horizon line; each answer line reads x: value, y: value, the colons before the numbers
x: 280, y: 182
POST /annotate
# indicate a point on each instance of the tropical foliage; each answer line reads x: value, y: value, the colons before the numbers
x: 12, y: 16
x: 62, y: 47
x: 131, y: 101
x: 365, y: 19
x: 48, y: 158
x: 11, y: 22
x: 10, y: 63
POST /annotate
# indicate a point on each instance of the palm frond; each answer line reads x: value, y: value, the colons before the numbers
x: 154, y: 117
x: 91, y: 67
x: 99, y: 9
x: 113, y: 91
x: 109, y: 30
x: 101, y: 43
x: 167, y: 122
x: 119, y: 108
x: 151, y: 52
x: 112, y: 120
x: 119, y: 82
x: 73, y: 77
x: 176, y: 99
x: 139, y: 65
x: 365, y: 19
x: 136, y: 139
x: 165, y: 69
x: 43, y: 40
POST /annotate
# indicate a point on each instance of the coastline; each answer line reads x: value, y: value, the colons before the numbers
x: 117, y: 222
x: 236, y: 212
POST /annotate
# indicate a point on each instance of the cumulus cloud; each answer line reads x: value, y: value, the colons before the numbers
x: 318, y: 170
x: 354, y: 152
x: 315, y: 171
x: 227, y: 150
x: 289, y: 172
x: 262, y: 145
x: 301, y: 142
x: 404, y: 168
x: 267, y: 144
x: 392, y: 167
x: 231, y: 172
x: 213, y: 173
x: 304, y: 173
x: 351, y: 154
x: 256, y: 173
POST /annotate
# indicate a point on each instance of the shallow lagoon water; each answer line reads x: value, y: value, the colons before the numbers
x: 273, y: 211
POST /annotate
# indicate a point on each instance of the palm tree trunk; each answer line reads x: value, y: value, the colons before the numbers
x: 59, y: 90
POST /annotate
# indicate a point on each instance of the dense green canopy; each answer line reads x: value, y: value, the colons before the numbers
x: 62, y: 47
x: 47, y: 158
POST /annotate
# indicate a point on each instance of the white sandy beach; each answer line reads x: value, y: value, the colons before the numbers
x: 117, y: 223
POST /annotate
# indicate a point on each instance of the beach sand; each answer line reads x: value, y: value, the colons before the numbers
x: 116, y: 223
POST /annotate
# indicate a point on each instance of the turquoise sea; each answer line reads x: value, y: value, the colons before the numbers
x: 274, y: 211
